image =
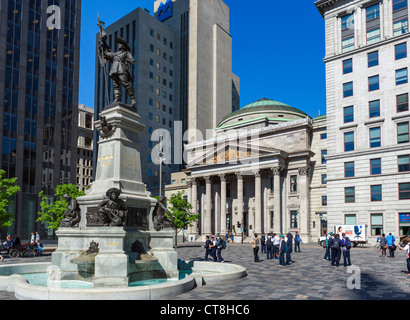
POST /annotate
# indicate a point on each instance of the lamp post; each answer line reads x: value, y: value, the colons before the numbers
x: 161, y: 159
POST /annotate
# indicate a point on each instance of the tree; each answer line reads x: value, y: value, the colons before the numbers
x: 52, y: 213
x: 8, y: 190
x: 181, y: 213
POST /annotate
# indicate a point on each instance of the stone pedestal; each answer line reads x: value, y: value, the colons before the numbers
x: 118, y: 166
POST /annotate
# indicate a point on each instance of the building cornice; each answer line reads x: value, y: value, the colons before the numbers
x: 322, y: 4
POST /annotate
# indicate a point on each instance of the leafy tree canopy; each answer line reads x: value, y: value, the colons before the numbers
x: 53, y: 212
x: 8, y: 190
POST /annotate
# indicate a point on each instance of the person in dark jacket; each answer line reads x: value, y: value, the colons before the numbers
x: 327, y: 247
x: 289, y: 244
x: 337, y: 246
x: 207, y: 248
x: 330, y: 244
x: 282, y: 250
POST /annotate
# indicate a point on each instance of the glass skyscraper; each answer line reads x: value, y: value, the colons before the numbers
x: 39, y: 72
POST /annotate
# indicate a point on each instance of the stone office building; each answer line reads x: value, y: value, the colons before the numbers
x: 265, y: 169
x: 368, y: 114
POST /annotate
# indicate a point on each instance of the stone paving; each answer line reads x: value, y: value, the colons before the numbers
x: 308, y: 278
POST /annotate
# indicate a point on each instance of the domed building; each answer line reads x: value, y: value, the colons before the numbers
x: 264, y: 171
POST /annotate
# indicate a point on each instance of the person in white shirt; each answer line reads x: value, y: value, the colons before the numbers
x: 276, y: 242
x: 407, y: 250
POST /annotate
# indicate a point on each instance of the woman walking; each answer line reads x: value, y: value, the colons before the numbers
x: 383, y: 245
x: 255, y: 246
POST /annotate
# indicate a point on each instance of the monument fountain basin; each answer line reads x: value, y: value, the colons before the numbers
x: 13, y: 278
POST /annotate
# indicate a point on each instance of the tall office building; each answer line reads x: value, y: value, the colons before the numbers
x: 368, y: 152
x: 39, y: 71
x: 183, y: 72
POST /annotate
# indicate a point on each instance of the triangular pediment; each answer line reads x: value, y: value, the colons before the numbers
x: 229, y: 154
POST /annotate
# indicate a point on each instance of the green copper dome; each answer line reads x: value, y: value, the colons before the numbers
x: 264, y: 108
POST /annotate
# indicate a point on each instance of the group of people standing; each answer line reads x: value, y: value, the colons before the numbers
x: 336, y: 245
x: 276, y: 247
x: 213, y: 247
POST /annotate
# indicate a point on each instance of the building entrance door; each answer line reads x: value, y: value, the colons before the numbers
x: 323, y: 227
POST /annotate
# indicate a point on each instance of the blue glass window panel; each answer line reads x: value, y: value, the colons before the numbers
x: 373, y: 59
x: 374, y: 109
x: 375, y: 140
x: 374, y: 83
x: 375, y: 166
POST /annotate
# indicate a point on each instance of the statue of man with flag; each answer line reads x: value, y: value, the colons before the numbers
x: 120, y: 68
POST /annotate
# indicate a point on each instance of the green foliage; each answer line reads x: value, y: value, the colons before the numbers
x: 181, y: 212
x: 8, y: 190
x: 53, y: 213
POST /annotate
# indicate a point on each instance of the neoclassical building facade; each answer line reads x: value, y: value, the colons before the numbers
x: 264, y: 171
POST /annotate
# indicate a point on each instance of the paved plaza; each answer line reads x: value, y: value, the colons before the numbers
x: 308, y: 278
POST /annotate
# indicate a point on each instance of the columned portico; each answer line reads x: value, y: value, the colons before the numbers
x: 258, y: 177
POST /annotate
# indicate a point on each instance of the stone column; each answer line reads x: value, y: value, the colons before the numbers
x: 189, y: 195
x: 258, y: 202
x: 194, y: 199
x: 304, y: 212
x: 223, y: 203
x: 208, y: 208
x: 277, y: 203
x: 240, y: 199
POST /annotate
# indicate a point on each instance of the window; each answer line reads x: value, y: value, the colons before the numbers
x: 403, y: 163
x: 151, y: 48
x: 324, y: 178
x: 347, y: 66
x: 349, y: 169
x: 373, y: 35
x: 293, y: 183
x: 294, y: 219
x: 348, y: 114
x: 347, y: 33
x: 404, y: 191
x: 150, y: 116
x: 403, y: 132
x: 374, y: 83
x: 372, y: 12
x: 348, y: 43
x: 324, y: 201
x: 402, y: 102
x: 404, y: 223
x: 375, y: 139
x: 350, y: 219
x: 399, y: 4
x: 376, y: 193
x: 323, y: 136
x: 152, y: 32
x: 401, y: 51
x: 350, y: 195
x: 324, y: 153
x: 348, y: 89
x: 374, y: 109
x: 400, y: 26
x: 401, y: 76
x: 377, y: 224
x: 375, y: 166
x: 349, y: 141
x: 373, y: 59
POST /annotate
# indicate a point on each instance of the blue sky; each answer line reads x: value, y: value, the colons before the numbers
x: 278, y: 49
